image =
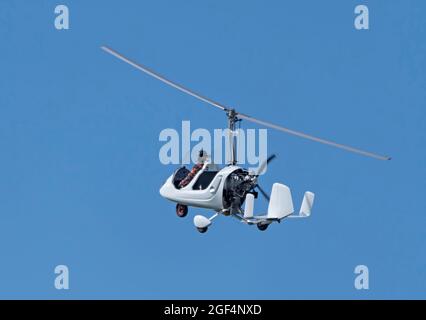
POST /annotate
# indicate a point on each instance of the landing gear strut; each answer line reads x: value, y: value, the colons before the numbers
x: 181, y: 210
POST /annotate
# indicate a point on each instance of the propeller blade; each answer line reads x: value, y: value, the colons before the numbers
x: 270, y: 158
x: 263, y: 192
x: 265, y: 163
x: 163, y: 79
x: 313, y: 138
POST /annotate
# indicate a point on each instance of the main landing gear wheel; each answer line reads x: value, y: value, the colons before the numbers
x: 262, y: 227
x: 202, y: 230
x: 181, y: 210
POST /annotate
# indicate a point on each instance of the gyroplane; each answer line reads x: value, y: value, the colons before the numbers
x: 232, y: 190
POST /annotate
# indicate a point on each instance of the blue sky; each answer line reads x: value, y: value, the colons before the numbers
x: 79, y: 168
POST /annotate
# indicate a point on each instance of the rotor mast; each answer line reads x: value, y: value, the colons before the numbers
x: 232, y: 119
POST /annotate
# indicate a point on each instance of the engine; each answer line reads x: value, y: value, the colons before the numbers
x: 236, y: 187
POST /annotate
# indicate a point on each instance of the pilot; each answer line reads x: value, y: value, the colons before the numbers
x: 202, y: 158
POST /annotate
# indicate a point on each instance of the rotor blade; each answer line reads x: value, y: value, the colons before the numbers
x: 161, y: 78
x: 263, y: 192
x: 313, y: 138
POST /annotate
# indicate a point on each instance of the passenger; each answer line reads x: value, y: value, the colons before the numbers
x: 202, y: 158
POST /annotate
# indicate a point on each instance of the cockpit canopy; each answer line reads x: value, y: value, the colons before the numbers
x: 203, y: 178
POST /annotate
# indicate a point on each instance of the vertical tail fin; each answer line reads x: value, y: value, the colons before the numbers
x: 307, y: 203
x: 281, y: 203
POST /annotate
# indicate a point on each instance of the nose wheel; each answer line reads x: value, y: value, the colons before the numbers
x: 181, y: 210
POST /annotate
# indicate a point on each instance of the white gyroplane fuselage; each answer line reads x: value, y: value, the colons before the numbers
x: 224, y: 191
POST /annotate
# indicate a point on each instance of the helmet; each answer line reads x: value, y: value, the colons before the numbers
x: 202, y: 156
